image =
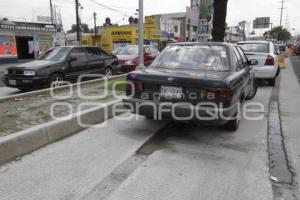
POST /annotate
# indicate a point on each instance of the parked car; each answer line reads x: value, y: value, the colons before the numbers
x: 194, y: 73
x: 282, y: 48
x: 267, y: 56
x: 116, y: 51
x: 129, y: 57
x: 297, y: 50
x: 60, y: 64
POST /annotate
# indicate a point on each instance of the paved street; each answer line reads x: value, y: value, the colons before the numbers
x: 182, y: 161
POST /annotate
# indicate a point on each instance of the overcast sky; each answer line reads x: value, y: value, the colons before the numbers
x: 238, y: 10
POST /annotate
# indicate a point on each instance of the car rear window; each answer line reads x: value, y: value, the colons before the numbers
x: 255, y: 47
x: 196, y: 57
x: 129, y: 50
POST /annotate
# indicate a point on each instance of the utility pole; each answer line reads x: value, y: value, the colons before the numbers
x: 141, y: 33
x: 281, y: 13
x: 95, y: 25
x: 51, y: 11
x: 77, y: 21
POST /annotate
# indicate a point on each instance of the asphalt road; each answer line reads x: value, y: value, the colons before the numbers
x: 6, y: 91
x: 181, y: 161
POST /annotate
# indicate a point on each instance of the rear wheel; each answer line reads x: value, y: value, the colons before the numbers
x: 56, y: 80
x: 253, y: 92
x: 234, y: 123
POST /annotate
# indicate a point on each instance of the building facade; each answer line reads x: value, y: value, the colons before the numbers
x: 24, y: 40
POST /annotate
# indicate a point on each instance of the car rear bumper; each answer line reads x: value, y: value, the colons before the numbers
x: 25, y: 82
x: 266, y: 72
x: 180, y: 112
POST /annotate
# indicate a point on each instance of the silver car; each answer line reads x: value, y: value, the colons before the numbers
x: 266, y: 54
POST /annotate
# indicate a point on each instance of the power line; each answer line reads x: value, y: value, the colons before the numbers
x: 110, y: 8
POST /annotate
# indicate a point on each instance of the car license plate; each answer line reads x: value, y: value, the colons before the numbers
x: 172, y: 92
x: 12, y: 82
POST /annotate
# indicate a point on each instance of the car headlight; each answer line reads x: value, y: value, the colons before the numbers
x: 128, y: 62
x: 5, y: 72
x: 29, y: 73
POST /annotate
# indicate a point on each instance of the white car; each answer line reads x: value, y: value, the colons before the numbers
x: 266, y: 54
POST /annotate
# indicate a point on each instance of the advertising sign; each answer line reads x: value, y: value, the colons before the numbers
x: 152, y: 22
x: 7, y: 46
x: 206, y: 9
x: 261, y: 22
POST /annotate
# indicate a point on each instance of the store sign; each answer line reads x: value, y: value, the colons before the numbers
x: 28, y: 28
x: 121, y: 33
x: 152, y: 22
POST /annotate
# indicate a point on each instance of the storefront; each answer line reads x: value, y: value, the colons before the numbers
x: 22, y: 40
x: 114, y: 37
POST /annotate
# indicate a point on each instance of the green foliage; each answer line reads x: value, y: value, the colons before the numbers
x: 84, y: 28
x: 279, y: 33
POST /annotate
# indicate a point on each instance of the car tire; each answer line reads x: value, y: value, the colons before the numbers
x: 108, y: 72
x: 278, y: 71
x: 233, y: 125
x: 253, y: 91
x: 272, y: 81
x: 55, y: 80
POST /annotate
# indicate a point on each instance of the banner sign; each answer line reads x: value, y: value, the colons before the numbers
x: 28, y: 27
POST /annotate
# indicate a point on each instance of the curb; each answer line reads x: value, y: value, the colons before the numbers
x: 27, y: 141
x: 66, y: 87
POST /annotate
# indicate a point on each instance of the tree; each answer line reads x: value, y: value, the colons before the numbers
x: 84, y: 28
x: 131, y: 20
x: 279, y: 33
x: 219, y: 20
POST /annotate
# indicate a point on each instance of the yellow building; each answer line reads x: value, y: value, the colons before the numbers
x: 115, y: 36
x: 90, y: 40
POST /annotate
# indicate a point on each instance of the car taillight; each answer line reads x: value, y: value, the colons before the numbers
x: 132, y: 87
x: 135, y: 61
x: 270, y: 61
x: 224, y: 95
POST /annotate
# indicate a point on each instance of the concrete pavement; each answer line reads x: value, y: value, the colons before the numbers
x: 289, y: 99
x: 198, y: 163
x: 71, y: 168
x: 182, y: 162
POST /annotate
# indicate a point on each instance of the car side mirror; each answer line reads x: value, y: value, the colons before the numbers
x: 253, y: 62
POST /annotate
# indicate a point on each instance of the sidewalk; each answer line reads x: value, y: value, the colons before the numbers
x: 289, y: 99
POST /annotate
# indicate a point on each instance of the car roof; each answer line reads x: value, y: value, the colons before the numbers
x: 254, y: 41
x: 202, y: 43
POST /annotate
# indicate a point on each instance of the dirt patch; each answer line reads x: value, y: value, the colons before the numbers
x: 23, y: 113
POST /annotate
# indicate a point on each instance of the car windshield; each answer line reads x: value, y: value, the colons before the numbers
x: 129, y: 50
x: 56, y: 54
x: 255, y: 47
x: 117, y: 50
x: 197, y: 57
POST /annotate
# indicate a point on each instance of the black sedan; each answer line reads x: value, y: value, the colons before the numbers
x: 61, y: 64
x: 206, y: 82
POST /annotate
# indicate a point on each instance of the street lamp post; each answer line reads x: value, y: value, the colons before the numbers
x: 141, y: 34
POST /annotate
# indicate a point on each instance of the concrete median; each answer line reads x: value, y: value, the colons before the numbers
x: 27, y: 141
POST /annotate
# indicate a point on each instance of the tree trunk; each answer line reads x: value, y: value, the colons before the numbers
x: 219, y: 20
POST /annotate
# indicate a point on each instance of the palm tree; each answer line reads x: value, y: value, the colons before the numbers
x: 219, y: 20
